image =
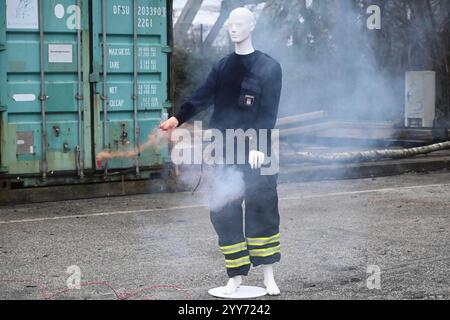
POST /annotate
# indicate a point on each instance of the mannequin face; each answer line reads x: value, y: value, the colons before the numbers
x: 241, y: 25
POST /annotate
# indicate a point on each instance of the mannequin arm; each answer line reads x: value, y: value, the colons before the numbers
x: 268, y: 112
x: 201, y: 99
x: 270, y: 100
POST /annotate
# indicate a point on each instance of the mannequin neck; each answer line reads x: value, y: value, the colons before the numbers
x: 245, y: 47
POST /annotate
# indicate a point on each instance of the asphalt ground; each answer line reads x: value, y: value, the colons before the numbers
x: 162, y: 246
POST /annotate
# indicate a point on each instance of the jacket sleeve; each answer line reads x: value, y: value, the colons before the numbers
x: 270, y: 100
x: 201, y: 99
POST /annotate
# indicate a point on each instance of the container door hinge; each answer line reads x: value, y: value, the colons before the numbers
x: 2, y: 108
x: 166, y: 49
x: 2, y: 47
x: 3, y: 169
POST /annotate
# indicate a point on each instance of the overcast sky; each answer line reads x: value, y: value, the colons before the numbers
x: 207, y: 15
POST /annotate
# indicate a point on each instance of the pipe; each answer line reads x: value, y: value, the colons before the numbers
x: 371, y: 155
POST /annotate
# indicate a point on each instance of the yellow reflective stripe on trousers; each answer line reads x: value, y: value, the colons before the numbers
x: 234, y: 248
x: 265, y: 252
x: 237, y: 262
x: 263, y: 241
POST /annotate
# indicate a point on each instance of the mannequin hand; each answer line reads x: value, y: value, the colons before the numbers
x: 256, y: 159
x: 170, y: 124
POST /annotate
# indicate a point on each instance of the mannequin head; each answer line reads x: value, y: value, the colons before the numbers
x: 241, y: 25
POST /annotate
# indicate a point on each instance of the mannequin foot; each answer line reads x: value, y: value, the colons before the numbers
x: 269, y: 281
x: 272, y: 288
x: 233, y: 285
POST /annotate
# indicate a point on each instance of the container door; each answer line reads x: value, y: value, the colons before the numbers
x: 45, y: 87
x: 130, y: 69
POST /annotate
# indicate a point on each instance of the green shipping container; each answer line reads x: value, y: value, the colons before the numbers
x: 78, y: 77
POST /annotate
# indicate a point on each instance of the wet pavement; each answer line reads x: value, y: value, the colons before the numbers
x: 162, y: 246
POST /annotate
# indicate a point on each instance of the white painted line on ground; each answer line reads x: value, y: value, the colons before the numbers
x: 199, y: 206
x: 345, y: 193
x: 101, y: 214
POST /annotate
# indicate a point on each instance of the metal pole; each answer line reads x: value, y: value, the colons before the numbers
x: 105, y: 79
x: 43, y: 97
x: 79, y: 97
x: 135, y: 93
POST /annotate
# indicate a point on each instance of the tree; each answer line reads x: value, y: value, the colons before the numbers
x: 332, y: 61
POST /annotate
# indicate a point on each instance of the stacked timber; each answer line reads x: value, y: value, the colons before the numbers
x: 314, y: 126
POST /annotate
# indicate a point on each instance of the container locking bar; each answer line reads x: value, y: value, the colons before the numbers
x: 104, y: 96
x: 135, y: 90
x: 3, y: 71
x: 79, y: 98
x: 42, y: 96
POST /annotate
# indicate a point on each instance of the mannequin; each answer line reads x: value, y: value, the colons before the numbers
x: 241, y: 25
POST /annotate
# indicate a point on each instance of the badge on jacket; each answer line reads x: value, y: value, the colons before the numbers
x: 249, y: 100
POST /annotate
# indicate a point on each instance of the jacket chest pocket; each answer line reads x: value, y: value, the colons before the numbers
x: 250, y: 94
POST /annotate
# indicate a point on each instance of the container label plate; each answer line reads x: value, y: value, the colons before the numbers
x: 22, y: 14
x: 25, y: 143
x: 60, y: 53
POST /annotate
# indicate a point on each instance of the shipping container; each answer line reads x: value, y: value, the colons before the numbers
x: 78, y: 77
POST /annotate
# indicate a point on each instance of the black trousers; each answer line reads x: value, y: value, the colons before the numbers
x: 251, y: 236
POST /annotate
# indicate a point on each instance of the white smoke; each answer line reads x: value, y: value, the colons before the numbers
x: 219, y: 185
x: 328, y: 61
x: 223, y: 185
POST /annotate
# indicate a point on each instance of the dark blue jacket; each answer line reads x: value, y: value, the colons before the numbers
x: 244, y: 89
